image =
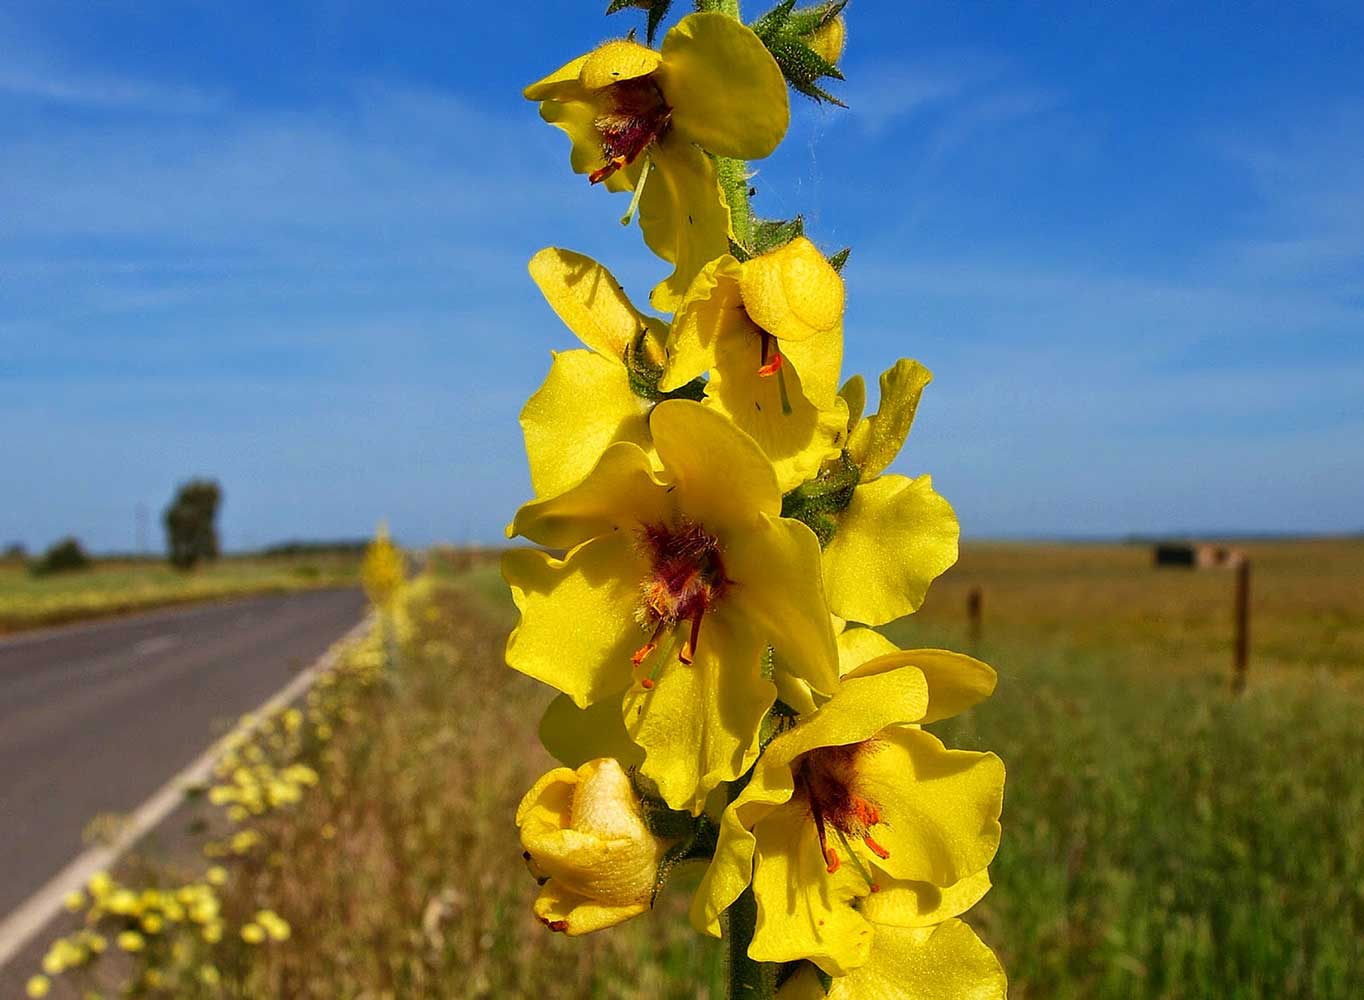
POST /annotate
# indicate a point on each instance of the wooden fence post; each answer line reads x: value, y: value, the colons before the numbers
x: 1241, y: 643
x: 975, y: 599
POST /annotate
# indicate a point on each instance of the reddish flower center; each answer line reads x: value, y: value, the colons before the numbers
x: 829, y: 778
x: 633, y: 115
x: 686, y: 579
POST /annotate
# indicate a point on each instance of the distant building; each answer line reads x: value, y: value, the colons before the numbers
x: 1197, y: 555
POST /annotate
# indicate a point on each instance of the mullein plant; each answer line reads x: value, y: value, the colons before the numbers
x: 713, y: 513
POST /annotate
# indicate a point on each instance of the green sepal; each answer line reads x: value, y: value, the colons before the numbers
x: 658, y: 10
x: 817, y: 503
x: 769, y: 235
x: 645, y: 373
x: 839, y: 259
x: 784, y: 31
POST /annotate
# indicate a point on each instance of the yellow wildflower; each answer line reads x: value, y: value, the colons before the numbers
x: 216, y: 875
x: 770, y: 332
x: 919, y: 951
x: 131, y: 941
x: 74, y: 901
x: 38, y: 987
x: 253, y: 933
x: 653, y: 557
x: 896, y: 535
x: 589, y: 400
x: 631, y: 111
x: 382, y: 572
x: 586, y: 840
x: 854, y: 794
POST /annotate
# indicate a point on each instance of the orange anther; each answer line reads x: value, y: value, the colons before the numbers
x: 876, y: 848
x: 831, y: 859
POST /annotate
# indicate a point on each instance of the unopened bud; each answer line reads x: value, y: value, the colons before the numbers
x: 828, y: 39
x: 587, y: 843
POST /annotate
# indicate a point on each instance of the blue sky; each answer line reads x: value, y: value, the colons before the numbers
x: 285, y: 245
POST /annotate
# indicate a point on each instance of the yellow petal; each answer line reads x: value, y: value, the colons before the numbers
x: 945, y: 962
x: 577, y: 629
x: 797, y: 442
x: 793, y: 292
x: 820, y: 363
x: 574, y: 736
x: 711, y: 309
x: 720, y: 474
x: 621, y: 492
x: 683, y: 216
x: 779, y: 591
x: 725, y: 89
x: 858, y: 645
x: 877, y: 440
x: 563, y: 910
x: 617, y: 61
x: 894, y: 539
x: 921, y: 904
x: 588, y: 298
x: 549, y: 803
x: 803, y: 911
x: 698, y: 725
x: 584, y: 406
x: 854, y: 392
x: 940, y: 808
x: 564, y: 82
x: 955, y: 681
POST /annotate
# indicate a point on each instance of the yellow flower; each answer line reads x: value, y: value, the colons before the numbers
x: 131, y: 941
x: 276, y: 926
x: 770, y: 331
x: 590, y: 400
x: 853, y: 795
x: 216, y: 875
x: 382, y: 572
x: 695, y: 555
x: 253, y: 933
x: 586, y: 842
x: 38, y: 986
x: 919, y: 951
x: 896, y: 535
x: 632, y: 112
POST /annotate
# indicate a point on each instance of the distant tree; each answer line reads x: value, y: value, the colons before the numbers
x: 65, y: 556
x: 15, y: 552
x: 191, y: 523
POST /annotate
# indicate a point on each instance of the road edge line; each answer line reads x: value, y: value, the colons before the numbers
x: 32, y: 915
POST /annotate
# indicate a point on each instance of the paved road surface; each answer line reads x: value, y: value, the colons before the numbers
x: 95, y: 718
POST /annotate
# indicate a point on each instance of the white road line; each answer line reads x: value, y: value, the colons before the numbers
x: 32, y: 915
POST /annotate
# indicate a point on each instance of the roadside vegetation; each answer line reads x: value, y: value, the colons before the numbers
x: 1165, y: 840
x: 120, y: 586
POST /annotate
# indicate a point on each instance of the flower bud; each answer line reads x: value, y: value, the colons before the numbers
x: 828, y: 39
x: 586, y: 842
x: 792, y: 292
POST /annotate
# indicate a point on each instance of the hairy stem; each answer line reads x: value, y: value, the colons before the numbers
x: 748, y: 980
x: 730, y: 7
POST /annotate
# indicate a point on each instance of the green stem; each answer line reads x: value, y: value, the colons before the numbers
x: 730, y: 7
x: 748, y: 980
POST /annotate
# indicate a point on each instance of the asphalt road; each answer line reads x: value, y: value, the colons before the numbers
x: 95, y: 718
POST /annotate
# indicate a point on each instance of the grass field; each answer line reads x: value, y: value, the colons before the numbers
x: 1162, y: 839
x: 113, y: 587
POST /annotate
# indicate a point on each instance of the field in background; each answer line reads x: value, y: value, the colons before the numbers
x: 119, y: 586
x: 1163, y: 840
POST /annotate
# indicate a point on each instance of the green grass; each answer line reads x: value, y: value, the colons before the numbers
x: 1162, y: 839
x: 114, y: 587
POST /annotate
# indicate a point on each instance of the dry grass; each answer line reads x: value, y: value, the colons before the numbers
x: 115, y: 587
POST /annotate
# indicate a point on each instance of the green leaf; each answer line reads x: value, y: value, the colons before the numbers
x: 658, y: 10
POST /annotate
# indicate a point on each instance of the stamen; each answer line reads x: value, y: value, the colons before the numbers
x: 645, y: 651
x: 639, y: 192
x: 612, y: 165
x: 688, y: 651
x: 857, y: 862
x: 830, y: 855
x: 875, y: 848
